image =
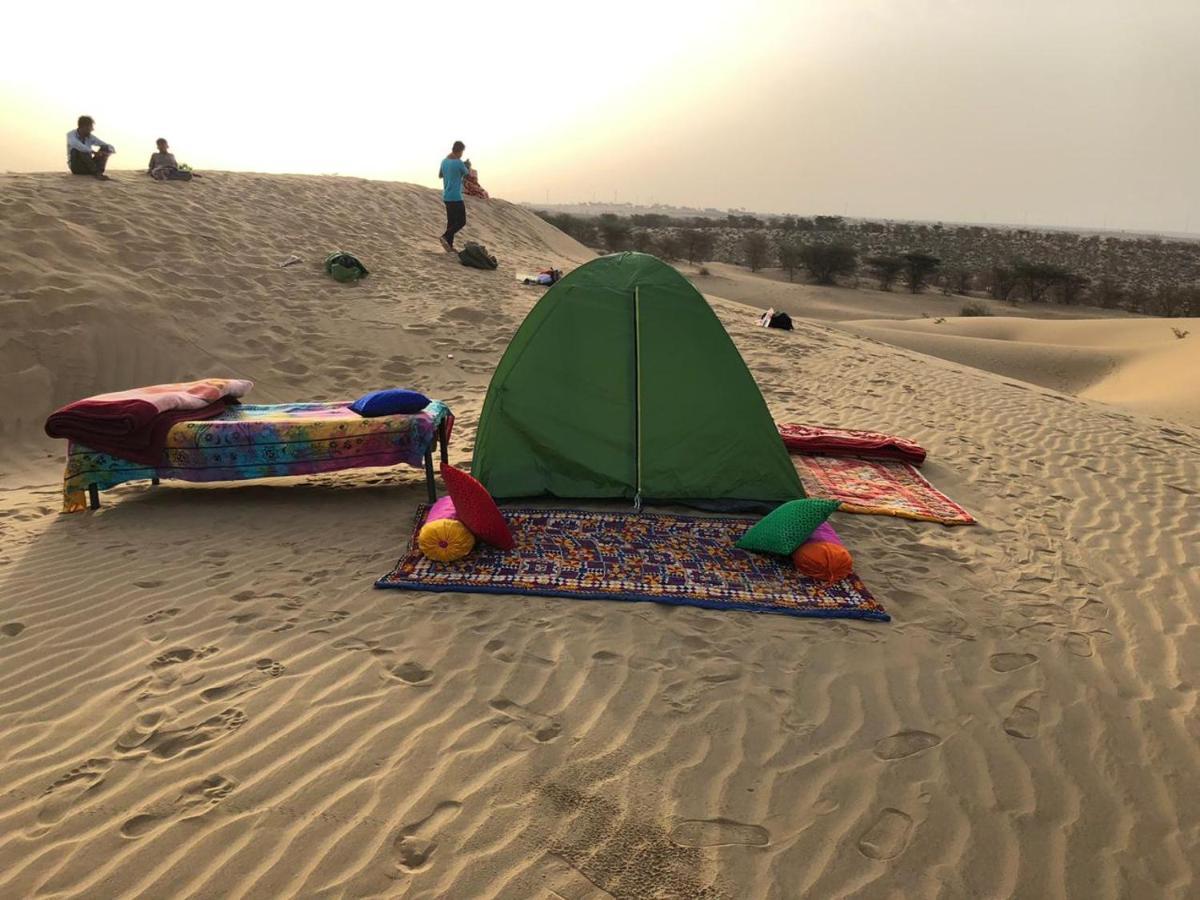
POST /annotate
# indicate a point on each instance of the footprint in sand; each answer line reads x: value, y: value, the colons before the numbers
x: 719, y: 833
x: 415, y: 843
x: 264, y: 670
x: 887, y: 836
x: 178, y: 655
x: 905, y: 743
x: 357, y: 643
x: 410, y: 673
x: 196, y: 799
x: 11, y: 629
x: 542, y: 729
x: 61, y: 797
x: 498, y: 650
x: 1024, y: 719
x: 1082, y: 644
x: 159, y: 614
x: 1010, y: 662
x: 147, y: 737
x: 333, y: 617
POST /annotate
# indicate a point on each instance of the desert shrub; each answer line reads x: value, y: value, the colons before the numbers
x: 615, y: 232
x: 975, y: 308
x: 885, y: 269
x: 650, y: 220
x: 1036, y: 278
x: 642, y: 240
x: 670, y: 245
x: 829, y: 223
x: 955, y: 280
x: 1174, y: 301
x: 697, y: 244
x: 789, y: 257
x: 827, y: 261
x: 917, y: 269
x: 1108, y: 293
x: 1071, y: 287
x: 704, y: 273
x: 755, y: 250
x: 1002, y: 281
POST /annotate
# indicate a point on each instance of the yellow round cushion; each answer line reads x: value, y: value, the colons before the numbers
x: 445, y: 540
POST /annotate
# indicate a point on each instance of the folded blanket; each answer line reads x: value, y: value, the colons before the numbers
x: 133, y: 424
x: 180, y: 395
x: 847, y: 442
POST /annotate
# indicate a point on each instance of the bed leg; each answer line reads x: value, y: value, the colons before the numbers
x: 429, y: 483
x: 93, y: 496
x: 444, y: 442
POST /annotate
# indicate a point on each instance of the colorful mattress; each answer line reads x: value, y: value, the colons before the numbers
x: 266, y: 441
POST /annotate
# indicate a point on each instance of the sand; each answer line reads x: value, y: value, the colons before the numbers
x: 201, y: 694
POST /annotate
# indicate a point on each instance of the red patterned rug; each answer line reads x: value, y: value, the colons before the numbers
x: 881, y: 487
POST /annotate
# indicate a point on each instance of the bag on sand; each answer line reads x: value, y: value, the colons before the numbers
x: 477, y: 257
x: 344, y: 267
x: 772, y: 319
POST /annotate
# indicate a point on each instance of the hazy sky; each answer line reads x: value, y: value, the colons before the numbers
x: 1070, y: 112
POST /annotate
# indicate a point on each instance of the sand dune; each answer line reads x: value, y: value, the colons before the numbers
x: 202, y: 695
x: 1136, y: 363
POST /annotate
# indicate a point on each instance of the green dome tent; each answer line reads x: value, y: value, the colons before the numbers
x: 621, y: 382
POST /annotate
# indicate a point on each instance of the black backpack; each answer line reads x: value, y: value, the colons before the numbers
x: 475, y: 256
x: 781, y: 320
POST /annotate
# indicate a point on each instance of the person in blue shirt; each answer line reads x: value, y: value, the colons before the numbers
x: 81, y: 159
x: 454, y: 168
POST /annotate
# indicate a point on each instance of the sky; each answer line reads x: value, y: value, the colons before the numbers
x: 1078, y: 113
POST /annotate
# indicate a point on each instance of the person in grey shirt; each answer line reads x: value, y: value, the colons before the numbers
x: 81, y: 159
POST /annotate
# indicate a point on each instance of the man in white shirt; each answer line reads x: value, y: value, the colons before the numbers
x: 80, y: 158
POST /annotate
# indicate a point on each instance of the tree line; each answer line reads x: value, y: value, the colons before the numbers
x: 825, y: 262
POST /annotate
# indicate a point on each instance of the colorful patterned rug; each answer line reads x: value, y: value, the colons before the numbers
x: 881, y: 487
x: 684, y: 560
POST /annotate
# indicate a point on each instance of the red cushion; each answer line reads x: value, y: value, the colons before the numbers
x: 476, y: 509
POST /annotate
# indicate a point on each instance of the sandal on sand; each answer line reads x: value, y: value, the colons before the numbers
x: 445, y: 245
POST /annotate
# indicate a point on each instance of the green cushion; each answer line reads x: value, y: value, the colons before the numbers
x: 787, y: 527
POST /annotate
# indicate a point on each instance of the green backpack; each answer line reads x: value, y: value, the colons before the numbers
x: 475, y: 256
x: 344, y: 267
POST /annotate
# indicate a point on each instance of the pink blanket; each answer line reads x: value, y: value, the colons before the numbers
x: 180, y: 395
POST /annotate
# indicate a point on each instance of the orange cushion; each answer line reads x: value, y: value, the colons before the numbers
x: 823, y: 560
x: 476, y: 509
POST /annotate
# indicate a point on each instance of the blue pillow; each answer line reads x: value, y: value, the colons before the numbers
x: 390, y: 403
